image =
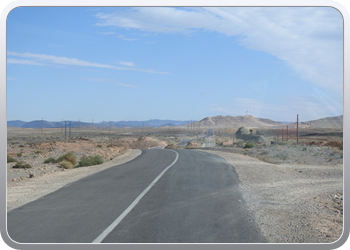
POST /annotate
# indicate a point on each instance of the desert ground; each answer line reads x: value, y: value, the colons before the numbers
x: 294, y: 190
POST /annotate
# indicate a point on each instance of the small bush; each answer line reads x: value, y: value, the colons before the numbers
x: 11, y: 159
x: 71, y: 158
x: 21, y: 146
x: 99, y: 146
x: 90, y: 161
x: 304, y: 148
x: 22, y: 164
x: 281, y: 157
x: 19, y: 154
x: 66, y: 164
x: 50, y: 160
x: 59, y: 159
x: 38, y: 151
x: 249, y: 145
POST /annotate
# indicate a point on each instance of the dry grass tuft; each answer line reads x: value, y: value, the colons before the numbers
x: 66, y: 164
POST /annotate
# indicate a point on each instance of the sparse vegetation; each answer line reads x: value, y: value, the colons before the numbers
x: 66, y: 164
x: 249, y: 145
x: 281, y: 157
x: 304, y: 149
x: 22, y: 164
x: 21, y: 146
x: 11, y: 159
x: 38, y: 151
x: 19, y: 154
x: 70, y: 157
x: 50, y: 160
x: 90, y: 161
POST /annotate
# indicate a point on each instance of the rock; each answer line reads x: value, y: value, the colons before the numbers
x: 23, y: 178
x: 31, y: 175
x: 14, y: 179
x: 192, y: 144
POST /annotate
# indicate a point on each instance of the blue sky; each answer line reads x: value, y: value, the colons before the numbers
x: 112, y: 64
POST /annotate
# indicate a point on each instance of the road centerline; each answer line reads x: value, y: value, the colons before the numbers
x: 115, y: 223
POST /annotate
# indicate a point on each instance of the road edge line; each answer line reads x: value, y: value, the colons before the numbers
x: 115, y: 223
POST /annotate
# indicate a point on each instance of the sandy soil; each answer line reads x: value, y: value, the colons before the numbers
x: 291, y: 202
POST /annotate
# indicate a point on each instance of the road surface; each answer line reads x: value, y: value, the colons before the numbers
x: 162, y: 196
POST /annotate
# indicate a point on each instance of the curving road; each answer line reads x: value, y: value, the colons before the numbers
x: 162, y: 196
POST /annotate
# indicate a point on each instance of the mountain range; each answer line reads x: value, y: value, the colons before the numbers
x: 214, y: 122
x: 75, y: 124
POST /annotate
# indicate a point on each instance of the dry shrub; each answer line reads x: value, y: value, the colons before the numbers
x: 90, y: 161
x: 11, y: 159
x: 22, y: 164
x: 70, y: 157
x: 337, y: 144
x: 66, y: 164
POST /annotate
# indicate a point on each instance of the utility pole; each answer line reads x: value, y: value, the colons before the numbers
x: 109, y: 131
x: 61, y: 125
x: 282, y: 135
x: 41, y: 125
x: 297, y: 129
x: 70, y: 126
x: 65, y: 130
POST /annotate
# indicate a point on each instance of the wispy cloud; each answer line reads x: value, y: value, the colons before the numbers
x: 130, y: 64
x: 308, y: 108
x: 108, y: 33
x: 126, y: 38
x: 308, y: 39
x: 11, y: 78
x: 42, y: 59
x: 104, y: 80
x: 21, y: 61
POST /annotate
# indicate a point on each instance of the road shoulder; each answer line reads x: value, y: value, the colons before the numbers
x: 291, y: 202
x: 20, y: 193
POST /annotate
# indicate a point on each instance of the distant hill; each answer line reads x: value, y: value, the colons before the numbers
x: 328, y: 122
x: 74, y: 124
x: 16, y: 123
x: 149, y: 123
x: 215, y: 121
x: 45, y: 124
x: 235, y: 122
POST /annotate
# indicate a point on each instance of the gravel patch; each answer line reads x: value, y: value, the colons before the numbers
x: 291, y: 203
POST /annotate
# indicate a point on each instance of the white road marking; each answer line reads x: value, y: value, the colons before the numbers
x: 115, y: 223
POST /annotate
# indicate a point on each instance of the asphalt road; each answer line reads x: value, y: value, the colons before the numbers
x: 195, y: 200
